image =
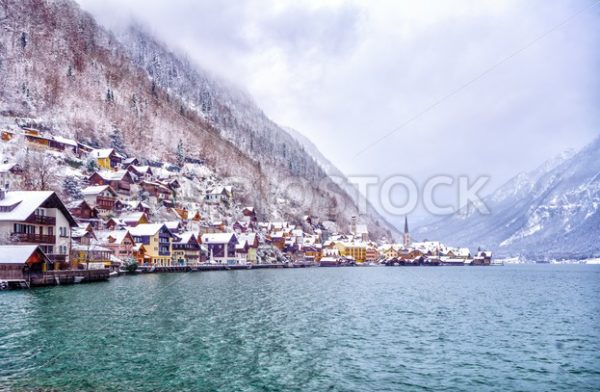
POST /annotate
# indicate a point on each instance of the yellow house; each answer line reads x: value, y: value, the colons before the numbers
x: 357, y: 251
x: 157, y: 240
x: 91, y: 255
x: 106, y: 158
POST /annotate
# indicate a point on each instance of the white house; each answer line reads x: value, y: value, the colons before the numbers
x: 37, y: 217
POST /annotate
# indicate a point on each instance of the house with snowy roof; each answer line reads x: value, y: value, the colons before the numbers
x: 157, y: 239
x: 107, y: 158
x: 20, y: 262
x: 8, y: 173
x: 220, y: 194
x: 120, y: 181
x: 186, y: 249
x: 103, y: 197
x: 40, y: 218
x: 140, y: 172
x: 221, y: 247
x: 120, y: 242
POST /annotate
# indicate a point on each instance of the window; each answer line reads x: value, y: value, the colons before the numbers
x: 63, y: 231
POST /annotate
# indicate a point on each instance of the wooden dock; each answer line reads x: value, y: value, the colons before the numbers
x: 56, y: 278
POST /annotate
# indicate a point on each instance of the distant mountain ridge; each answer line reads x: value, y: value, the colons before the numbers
x: 551, y: 212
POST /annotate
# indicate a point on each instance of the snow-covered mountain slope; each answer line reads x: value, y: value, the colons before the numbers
x: 60, y: 70
x: 551, y: 212
x: 339, y: 177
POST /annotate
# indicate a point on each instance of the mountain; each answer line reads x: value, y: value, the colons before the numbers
x: 339, y: 178
x: 551, y: 212
x: 63, y: 72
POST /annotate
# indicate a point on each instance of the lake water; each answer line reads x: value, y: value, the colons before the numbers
x: 531, y: 327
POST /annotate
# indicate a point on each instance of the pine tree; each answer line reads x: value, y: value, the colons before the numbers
x: 116, y: 139
x: 180, y: 154
x: 71, y: 188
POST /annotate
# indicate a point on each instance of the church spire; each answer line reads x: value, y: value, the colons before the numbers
x: 406, y: 236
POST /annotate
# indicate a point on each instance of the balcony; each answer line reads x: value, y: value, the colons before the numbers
x: 41, y: 220
x: 33, y: 238
x: 56, y: 258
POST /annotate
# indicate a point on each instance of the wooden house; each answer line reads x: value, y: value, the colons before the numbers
x: 102, y: 197
x: 120, y: 181
x: 20, y: 262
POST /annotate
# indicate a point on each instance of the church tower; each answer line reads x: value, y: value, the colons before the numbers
x: 406, y: 235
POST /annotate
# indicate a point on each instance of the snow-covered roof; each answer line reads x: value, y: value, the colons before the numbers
x: 184, y: 238
x: 113, y: 175
x: 136, y: 204
x: 64, y: 140
x: 24, y: 203
x: 133, y: 216
x: 146, y: 229
x: 78, y: 232
x: 96, y: 190
x: 101, y: 152
x: 6, y: 167
x: 216, y: 238
x: 142, y: 169
x: 117, y: 235
x: 16, y: 254
x: 173, y: 225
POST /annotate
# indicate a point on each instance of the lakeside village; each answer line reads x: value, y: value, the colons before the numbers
x: 123, y: 215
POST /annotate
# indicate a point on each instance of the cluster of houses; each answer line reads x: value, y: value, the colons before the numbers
x: 127, y: 212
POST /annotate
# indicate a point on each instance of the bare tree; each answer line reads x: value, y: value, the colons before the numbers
x: 39, y: 171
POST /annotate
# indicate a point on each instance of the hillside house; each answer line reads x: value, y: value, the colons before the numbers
x: 156, y: 190
x: 120, y: 181
x: 37, y: 217
x: 140, y: 172
x: 8, y: 173
x: 133, y: 219
x: 107, y: 158
x: 102, y: 197
x: 220, y: 194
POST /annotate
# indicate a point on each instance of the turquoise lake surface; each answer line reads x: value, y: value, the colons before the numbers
x: 516, y: 327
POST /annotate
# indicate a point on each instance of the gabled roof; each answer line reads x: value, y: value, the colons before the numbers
x: 133, y: 216
x: 105, y: 235
x: 102, y: 152
x: 186, y: 237
x: 148, y: 229
x: 113, y: 175
x: 24, y: 203
x: 96, y: 190
x: 16, y: 254
x: 173, y: 225
x: 217, y: 238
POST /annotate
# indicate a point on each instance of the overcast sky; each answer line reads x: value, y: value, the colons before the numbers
x: 346, y: 73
